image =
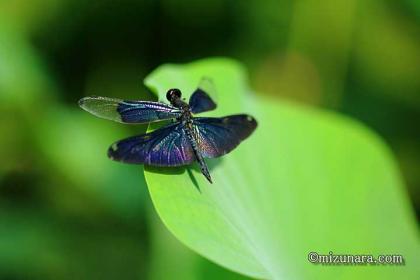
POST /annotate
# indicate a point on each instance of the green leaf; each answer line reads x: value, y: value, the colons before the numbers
x: 306, y: 180
x: 177, y: 259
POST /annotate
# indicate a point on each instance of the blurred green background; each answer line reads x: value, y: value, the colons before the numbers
x: 67, y: 212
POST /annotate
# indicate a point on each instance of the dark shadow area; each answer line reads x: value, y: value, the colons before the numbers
x: 191, y: 169
x: 165, y: 170
x: 193, y: 180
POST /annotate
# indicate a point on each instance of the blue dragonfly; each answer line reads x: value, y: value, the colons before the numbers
x: 183, y: 141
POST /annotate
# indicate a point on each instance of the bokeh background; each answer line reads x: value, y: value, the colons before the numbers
x: 67, y: 212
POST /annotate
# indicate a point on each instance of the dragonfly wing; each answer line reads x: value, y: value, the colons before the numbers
x: 124, y: 111
x: 167, y: 146
x: 219, y: 136
x: 200, y: 100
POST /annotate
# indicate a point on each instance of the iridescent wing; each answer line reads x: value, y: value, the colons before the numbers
x: 200, y: 100
x: 167, y: 146
x: 219, y: 136
x: 124, y: 111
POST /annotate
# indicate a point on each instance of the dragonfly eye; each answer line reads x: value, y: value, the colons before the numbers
x: 173, y: 93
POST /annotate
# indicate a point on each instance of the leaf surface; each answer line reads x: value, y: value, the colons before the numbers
x: 306, y: 180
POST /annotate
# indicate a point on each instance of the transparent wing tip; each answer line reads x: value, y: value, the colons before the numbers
x: 82, y: 102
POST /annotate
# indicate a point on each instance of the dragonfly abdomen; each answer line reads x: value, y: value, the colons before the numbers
x: 193, y: 141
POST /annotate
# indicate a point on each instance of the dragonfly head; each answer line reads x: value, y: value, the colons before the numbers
x: 173, y: 94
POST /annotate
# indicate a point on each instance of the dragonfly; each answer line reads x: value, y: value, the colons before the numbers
x: 185, y: 140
